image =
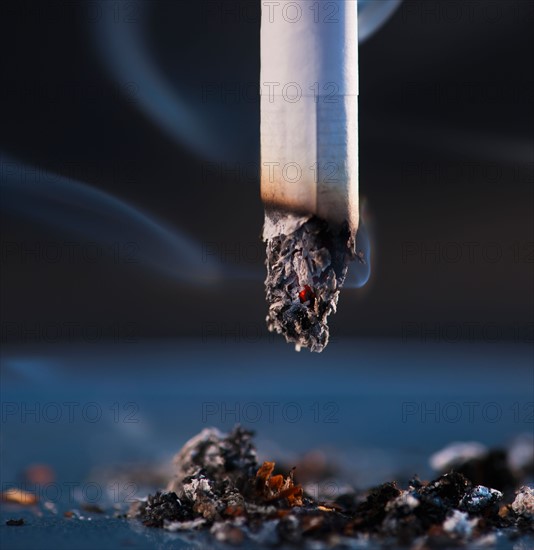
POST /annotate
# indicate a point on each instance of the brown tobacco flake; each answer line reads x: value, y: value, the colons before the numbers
x: 273, y: 488
x: 265, y: 471
x: 276, y: 483
x: 234, y: 511
x: 325, y: 509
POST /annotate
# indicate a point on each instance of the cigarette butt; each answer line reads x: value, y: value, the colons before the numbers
x: 309, y: 161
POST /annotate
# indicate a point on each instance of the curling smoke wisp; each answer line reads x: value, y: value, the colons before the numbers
x: 372, y: 14
x: 124, y: 52
x: 360, y: 269
x: 80, y: 209
x: 122, y: 47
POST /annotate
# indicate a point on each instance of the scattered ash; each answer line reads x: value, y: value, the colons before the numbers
x: 92, y: 508
x: 523, y: 504
x: 306, y: 269
x: 478, y: 498
x: 15, y: 522
x: 502, y: 469
x: 220, y: 488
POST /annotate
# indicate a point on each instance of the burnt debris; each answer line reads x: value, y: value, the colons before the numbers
x: 220, y: 487
x: 15, y: 522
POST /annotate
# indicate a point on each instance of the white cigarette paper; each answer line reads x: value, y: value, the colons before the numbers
x: 309, y: 109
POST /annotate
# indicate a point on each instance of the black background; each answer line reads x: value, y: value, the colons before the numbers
x: 446, y: 153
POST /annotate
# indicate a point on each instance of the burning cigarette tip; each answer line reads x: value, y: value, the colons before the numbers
x: 311, y: 216
x: 305, y: 270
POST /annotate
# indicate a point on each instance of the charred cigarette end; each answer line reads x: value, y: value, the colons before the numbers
x: 307, y: 262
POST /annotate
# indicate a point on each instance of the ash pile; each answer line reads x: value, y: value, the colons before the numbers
x: 220, y: 488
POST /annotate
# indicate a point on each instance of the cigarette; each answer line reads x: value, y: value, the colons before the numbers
x: 309, y: 161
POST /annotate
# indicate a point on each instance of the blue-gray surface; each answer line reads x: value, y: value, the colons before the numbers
x: 378, y: 408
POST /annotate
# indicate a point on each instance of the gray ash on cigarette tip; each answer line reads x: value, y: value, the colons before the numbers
x: 307, y: 262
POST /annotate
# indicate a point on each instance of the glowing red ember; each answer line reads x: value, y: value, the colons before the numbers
x: 306, y: 294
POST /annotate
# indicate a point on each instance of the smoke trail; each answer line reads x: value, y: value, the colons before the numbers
x: 81, y: 209
x: 373, y: 14
x: 123, y: 50
x: 360, y: 269
x: 124, y: 53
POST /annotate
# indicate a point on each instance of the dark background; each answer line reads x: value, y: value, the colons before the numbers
x: 446, y: 152
x: 138, y: 99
